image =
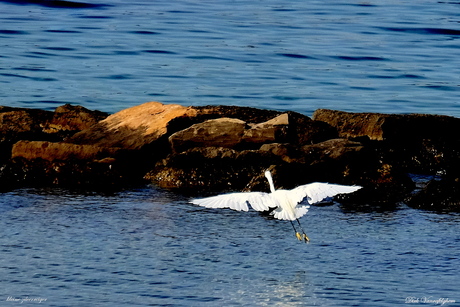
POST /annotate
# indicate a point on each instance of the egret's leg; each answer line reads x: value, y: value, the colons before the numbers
x: 297, y: 234
x: 304, y: 236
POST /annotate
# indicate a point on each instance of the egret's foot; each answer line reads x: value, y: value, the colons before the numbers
x: 305, y: 238
x: 299, y: 236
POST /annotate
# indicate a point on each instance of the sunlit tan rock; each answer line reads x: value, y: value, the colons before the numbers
x: 134, y: 127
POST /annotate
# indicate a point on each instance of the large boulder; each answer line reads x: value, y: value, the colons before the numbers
x: 221, y: 132
x: 353, y: 125
x: 390, y: 127
x: 133, y: 128
x: 421, y: 143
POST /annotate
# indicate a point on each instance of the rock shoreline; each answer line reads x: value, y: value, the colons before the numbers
x: 227, y: 148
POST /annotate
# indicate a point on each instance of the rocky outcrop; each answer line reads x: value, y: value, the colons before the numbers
x: 38, y: 127
x: 227, y: 148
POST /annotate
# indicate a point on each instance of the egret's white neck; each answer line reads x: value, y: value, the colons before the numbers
x: 270, y: 181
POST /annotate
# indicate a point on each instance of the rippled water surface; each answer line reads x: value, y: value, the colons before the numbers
x: 147, y: 247
x: 377, y: 56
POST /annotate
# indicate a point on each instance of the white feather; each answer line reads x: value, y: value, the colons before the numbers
x: 285, y: 202
x: 259, y: 201
x: 317, y: 191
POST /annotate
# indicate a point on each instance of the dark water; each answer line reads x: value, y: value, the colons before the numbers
x: 149, y: 247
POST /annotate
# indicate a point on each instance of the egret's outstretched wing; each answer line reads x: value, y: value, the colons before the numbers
x: 317, y: 191
x: 259, y: 201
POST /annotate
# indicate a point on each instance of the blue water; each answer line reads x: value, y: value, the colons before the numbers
x: 375, y: 56
x: 149, y: 247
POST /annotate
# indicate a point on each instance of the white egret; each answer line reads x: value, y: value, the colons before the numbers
x: 286, y: 203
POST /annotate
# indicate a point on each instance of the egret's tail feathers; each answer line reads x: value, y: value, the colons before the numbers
x: 301, y: 211
x: 281, y: 214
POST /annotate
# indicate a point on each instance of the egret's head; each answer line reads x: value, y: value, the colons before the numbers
x: 267, y: 174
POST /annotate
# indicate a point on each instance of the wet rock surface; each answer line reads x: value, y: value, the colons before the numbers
x: 226, y: 148
x: 37, y: 125
x: 422, y: 143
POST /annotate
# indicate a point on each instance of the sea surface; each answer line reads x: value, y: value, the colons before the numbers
x: 149, y: 247
x: 373, y: 56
